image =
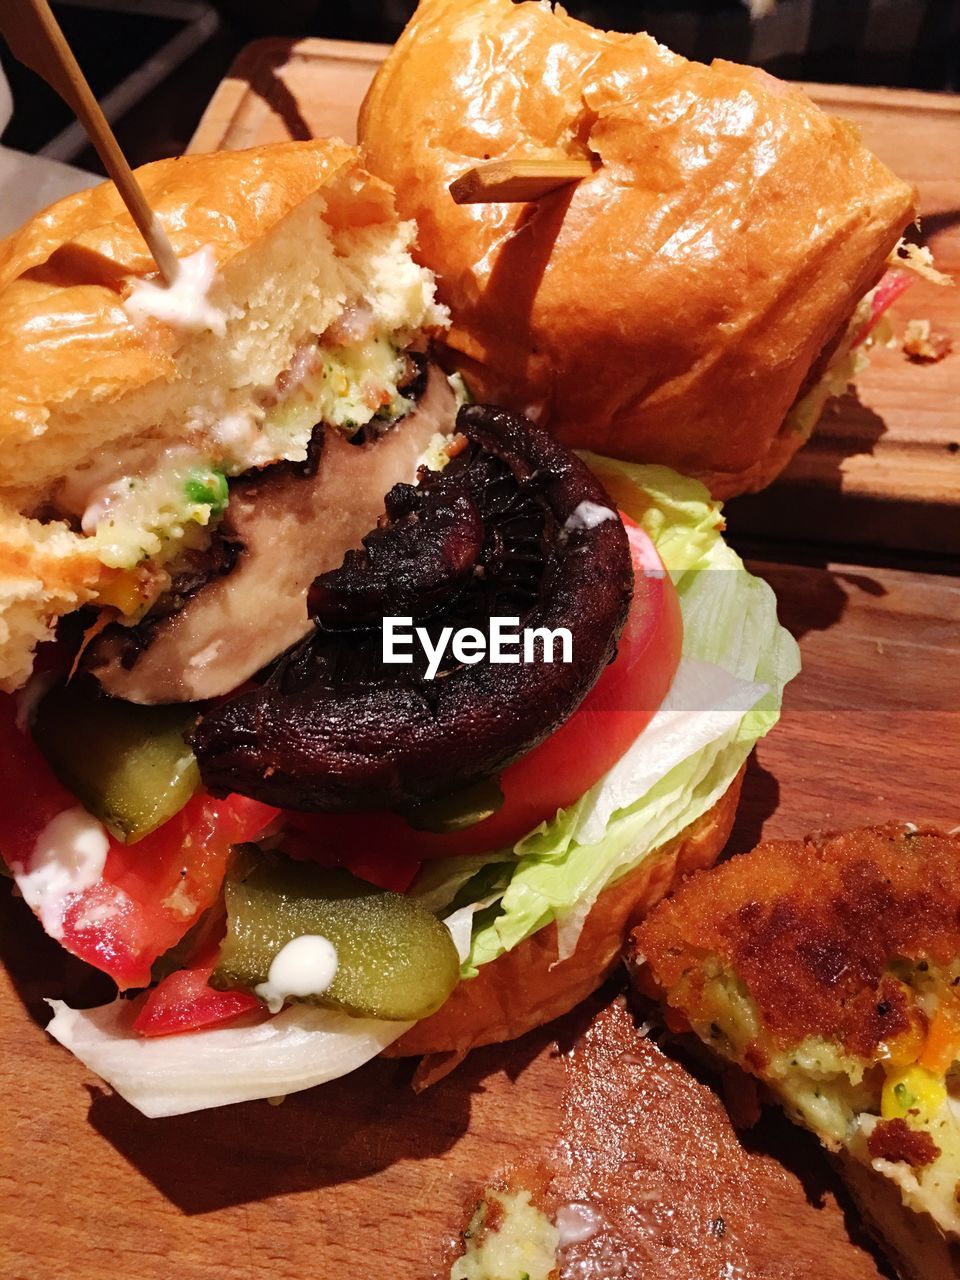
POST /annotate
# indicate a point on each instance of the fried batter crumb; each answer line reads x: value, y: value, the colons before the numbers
x: 894, y: 1140
x: 923, y: 344
x: 812, y: 928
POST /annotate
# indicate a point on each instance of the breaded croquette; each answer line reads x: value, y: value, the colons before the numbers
x: 830, y: 969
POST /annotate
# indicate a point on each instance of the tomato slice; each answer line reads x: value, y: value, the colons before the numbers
x: 396, y: 873
x: 150, y: 893
x: 184, y: 1001
x: 559, y: 771
x: 892, y: 284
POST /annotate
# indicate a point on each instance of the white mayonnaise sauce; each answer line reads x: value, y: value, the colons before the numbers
x: 577, y: 1222
x: 96, y: 916
x: 306, y: 966
x: 68, y: 858
x: 185, y: 303
x: 587, y: 515
x: 645, y: 553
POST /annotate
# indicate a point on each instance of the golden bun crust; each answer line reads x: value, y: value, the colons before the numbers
x: 45, y: 571
x: 668, y: 308
x: 527, y: 987
x: 66, y: 344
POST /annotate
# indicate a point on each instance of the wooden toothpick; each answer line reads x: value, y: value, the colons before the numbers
x: 35, y: 38
x: 516, y: 181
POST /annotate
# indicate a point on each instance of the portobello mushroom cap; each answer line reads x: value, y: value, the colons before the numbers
x: 282, y: 527
x: 515, y: 526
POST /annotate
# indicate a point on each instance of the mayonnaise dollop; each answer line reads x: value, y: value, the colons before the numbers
x: 68, y: 857
x: 306, y: 966
x: 587, y: 515
x: 185, y: 303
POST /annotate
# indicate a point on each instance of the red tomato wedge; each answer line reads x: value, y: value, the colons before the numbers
x: 149, y: 893
x: 184, y: 1001
x: 559, y: 771
x: 892, y: 284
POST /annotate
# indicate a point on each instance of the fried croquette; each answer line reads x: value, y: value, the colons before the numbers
x: 830, y: 969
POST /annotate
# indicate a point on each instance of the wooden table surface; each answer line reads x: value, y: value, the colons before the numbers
x: 362, y: 1178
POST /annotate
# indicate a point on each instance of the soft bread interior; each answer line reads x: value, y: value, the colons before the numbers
x: 45, y: 571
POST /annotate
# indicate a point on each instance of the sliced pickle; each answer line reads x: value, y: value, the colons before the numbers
x: 459, y: 810
x: 129, y: 765
x: 394, y: 959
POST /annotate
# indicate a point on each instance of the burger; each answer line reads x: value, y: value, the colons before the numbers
x: 697, y: 299
x: 341, y: 715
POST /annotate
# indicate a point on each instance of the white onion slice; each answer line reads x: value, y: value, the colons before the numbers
x: 172, y: 1075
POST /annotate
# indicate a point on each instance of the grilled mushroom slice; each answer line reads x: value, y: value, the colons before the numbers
x: 284, y: 525
x: 515, y: 526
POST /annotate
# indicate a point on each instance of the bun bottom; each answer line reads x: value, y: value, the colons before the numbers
x: 528, y: 986
x: 487, y: 386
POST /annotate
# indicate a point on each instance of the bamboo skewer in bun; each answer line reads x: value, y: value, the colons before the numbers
x: 670, y: 307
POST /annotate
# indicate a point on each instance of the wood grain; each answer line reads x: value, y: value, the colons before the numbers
x: 364, y: 1178
x: 678, y: 1194
x: 883, y: 468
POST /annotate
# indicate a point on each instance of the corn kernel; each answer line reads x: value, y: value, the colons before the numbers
x: 123, y: 592
x: 912, y: 1089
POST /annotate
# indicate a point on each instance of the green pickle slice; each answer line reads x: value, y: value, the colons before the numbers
x: 395, y: 960
x: 130, y: 766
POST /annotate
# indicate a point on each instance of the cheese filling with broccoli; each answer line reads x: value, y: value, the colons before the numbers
x: 168, y: 503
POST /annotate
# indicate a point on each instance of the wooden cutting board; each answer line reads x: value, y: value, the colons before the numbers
x: 883, y: 468
x: 362, y: 1178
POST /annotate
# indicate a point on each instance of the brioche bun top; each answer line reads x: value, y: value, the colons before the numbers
x: 668, y: 308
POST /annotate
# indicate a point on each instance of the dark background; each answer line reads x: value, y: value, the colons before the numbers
x: 890, y: 42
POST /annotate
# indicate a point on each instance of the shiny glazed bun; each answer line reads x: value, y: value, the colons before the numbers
x: 93, y: 393
x: 527, y: 986
x: 669, y: 308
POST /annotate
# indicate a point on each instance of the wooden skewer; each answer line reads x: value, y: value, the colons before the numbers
x: 516, y: 181
x: 35, y: 38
